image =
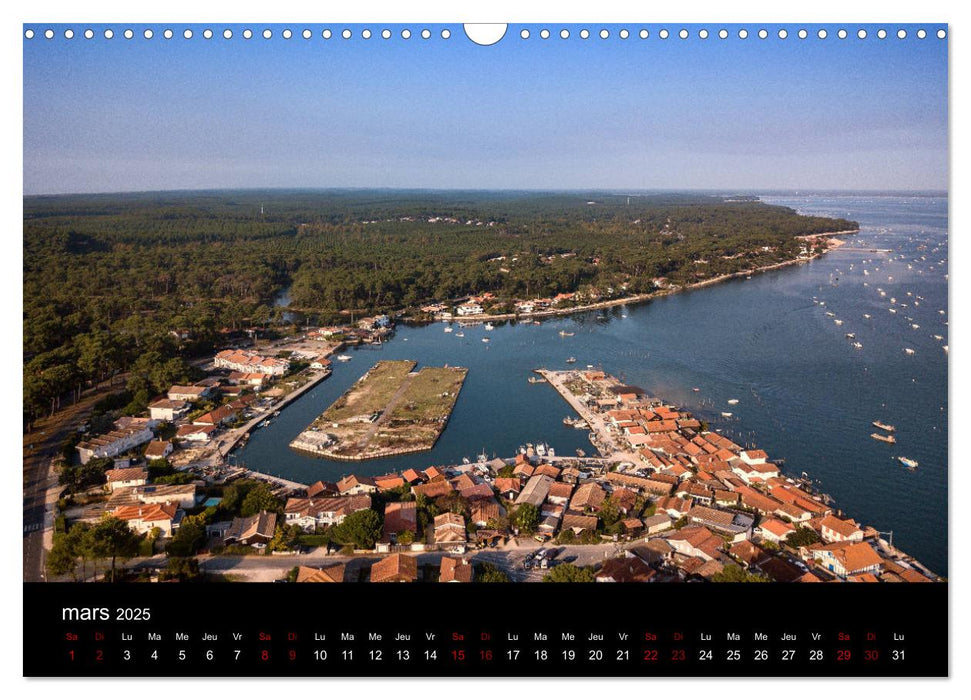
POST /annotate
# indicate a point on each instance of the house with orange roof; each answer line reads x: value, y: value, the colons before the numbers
x: 774, y: 530
x: 578, y: 523
x: 195, y: 433
x: 485, y: 510
x: 353, y: 484
x: 696, y: 541
x: 397, y: 568
x: 559, y: 493
x: 433, y: 474
x: 508, y: 487
x: 326, y: 574
x: 454, y: 570
x: 588, y: 497
x: 399, y: 517
x: 256, y: 530
x: 833, y: 529
x: 450, y: 529
x: 124, y: 478
x: 322, y: 488
x: 144, y: 517
x: 753, y: 456
x: 848, y: 558
x: 158, y: 449
x: 411, y: 476
x: 388, y: 482
x: 433, y: 489
x: 625, y: 569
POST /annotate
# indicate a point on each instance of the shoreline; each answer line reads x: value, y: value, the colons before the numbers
x: 832, y: 244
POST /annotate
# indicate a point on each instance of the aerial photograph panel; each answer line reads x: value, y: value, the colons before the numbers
x: 337, y: 310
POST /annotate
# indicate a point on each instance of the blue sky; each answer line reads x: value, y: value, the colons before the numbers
x: 117, y: 115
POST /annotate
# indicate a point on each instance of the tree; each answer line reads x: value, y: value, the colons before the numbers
x: 733, y: 573
x: 803, y: 537
x: 609, y: 512
x: 114, y: 540
x: 260, y: 498
x: 285, y: 538
x: 490, y: 573
x: 566, y: 537
x: 569, y: 573
x: 181, y: 569
x: 190, y: 536
x: 62, y: 559
x: 362, y: 529
x: 526, y: 518
x: 406, y: 537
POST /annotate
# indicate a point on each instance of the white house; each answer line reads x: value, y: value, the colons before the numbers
x: 469, y: 309
x: 114, y: 442
x: 168, y: 409
x: 120, y: 478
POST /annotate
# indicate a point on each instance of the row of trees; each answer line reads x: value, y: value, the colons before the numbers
x: 107, y: 542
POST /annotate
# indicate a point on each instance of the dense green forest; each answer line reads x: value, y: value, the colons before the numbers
x: 108, y: 278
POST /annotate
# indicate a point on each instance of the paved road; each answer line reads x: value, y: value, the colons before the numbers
x: 40, y: 446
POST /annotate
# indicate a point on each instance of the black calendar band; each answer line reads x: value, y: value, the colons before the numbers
x: 348, y: 630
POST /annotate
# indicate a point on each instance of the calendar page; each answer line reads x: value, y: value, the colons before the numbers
x: 637, y: 332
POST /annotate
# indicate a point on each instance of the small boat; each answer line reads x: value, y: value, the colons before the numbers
x: 695, y: 389
x: 851, y: 336
x: 830, y: 313
x: 566, y: 334
x: 909, y: 351
x: 460, y: 334
x: 489, y: 327
x: 541, y: 449
x: 837, y: 322
x: 448, y: 329
x: 466, y: 460
x: 581, y: 453
x: 945, y: 349
x: 536, y: 380
x: 893, y: 311
x: 485, y: 340
x: 866, y: 316
x: 938, y: 337
x: 889, y: 439
x: 726, y: 414
x: 483, y: 457
x: 732, y: 402
x: 858, y: 345
x: 914, y: 326
x: 344, y: 358
x: 571, y: 360
x: 884, y: 426
x: 909, y: 463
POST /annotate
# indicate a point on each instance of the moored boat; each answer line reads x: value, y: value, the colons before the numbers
x: 909, y: 463
x: 889, y: 439
x: 884, y: 426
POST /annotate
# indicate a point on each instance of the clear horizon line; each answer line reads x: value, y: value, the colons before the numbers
x: 617, y: 191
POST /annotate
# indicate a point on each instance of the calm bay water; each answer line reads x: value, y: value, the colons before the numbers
x: 806, y: 395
